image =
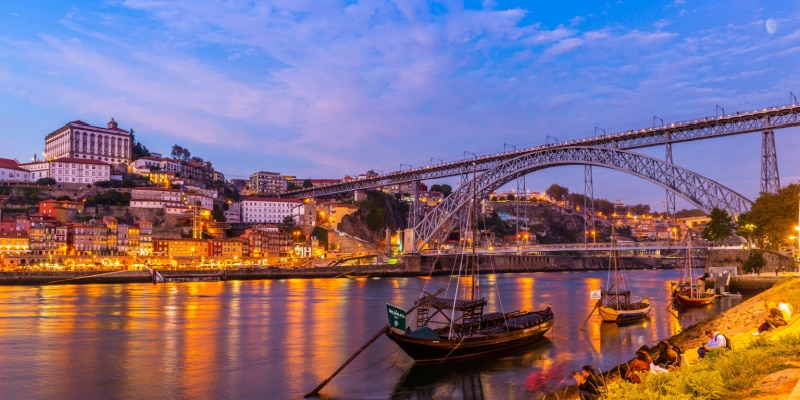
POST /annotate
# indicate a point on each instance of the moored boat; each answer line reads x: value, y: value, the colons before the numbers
x: 615, y: 304
x: 688, y: 292
x: 456, y: 328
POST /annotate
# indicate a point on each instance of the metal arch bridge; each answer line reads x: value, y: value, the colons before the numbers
x: 765, y: 120
x: 634, y: 248
x: 703, y: 192
x: 605, y: 151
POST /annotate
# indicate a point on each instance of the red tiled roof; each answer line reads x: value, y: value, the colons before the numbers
x: 7, y: 162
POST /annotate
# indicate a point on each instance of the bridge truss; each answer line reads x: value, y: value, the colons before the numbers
x: 767, y: 119
x: 703, y: 192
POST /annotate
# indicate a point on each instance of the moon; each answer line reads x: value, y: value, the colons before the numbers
x: 772, y: 26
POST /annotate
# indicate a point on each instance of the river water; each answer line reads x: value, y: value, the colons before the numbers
x: 276, y: 339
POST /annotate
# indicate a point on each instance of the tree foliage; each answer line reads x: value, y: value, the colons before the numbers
x: 720, y: 227
x: 772, y: 219
x: 180, y: 153
x: 138, y: 150
x: 556, y: 192
x: 754, y: 263
x: 322, y: 236
x: 287, y: 224
x: 445, y: 190
x: 46, y: 181
x: 109, y: 198
x: 307, y: 184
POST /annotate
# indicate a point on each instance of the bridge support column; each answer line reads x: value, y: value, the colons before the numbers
x: 588, y: 203
x: 770, y: 181
x: 670, y: 205
x: 521, y: 192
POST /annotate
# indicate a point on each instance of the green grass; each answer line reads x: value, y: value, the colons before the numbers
x: 724, y: 374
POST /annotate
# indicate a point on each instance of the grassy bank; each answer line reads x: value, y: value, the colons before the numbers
x: 763, y: 367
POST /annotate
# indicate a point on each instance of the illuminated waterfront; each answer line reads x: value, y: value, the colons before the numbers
x: 280, y: 338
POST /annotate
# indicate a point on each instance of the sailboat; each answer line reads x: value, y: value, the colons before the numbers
x: 615, y: 304
x: 687, y: 292
x: 450, y: 329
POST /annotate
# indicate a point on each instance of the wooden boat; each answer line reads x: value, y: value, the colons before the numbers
x: 457, y: 328
x: 688, y: 292
x: 616, y: 304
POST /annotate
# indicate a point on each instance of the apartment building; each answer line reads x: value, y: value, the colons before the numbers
x: 262, y: 210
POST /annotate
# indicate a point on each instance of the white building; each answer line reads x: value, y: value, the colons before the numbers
x: 233, y: 214
x: 10, y: 170
x: 79, y: 170
x: 156, y: 198
x: 173, y: 201
x: 78, y: 139
x: 260, y: 210
x: 38, y: 169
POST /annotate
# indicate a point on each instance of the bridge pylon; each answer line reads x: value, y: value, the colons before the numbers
x: 770, y: 181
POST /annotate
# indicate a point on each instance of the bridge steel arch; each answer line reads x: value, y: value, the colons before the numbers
x: 702, y: 192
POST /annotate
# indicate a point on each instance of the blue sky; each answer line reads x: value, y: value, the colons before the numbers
x: 324, y: 89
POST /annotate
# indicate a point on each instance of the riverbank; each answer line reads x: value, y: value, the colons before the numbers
x: 738, y: 323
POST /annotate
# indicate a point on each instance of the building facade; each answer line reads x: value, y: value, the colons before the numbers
x: 78, y: 139
x: 261, y: 210
x: 264, y: 182
x: 79, y: 171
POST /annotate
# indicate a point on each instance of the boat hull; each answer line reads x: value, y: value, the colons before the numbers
x: 427, y: 350
x: 688, y: 301
x: 611, y: 314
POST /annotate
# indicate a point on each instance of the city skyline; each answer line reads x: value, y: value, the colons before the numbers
x: 324, y: 90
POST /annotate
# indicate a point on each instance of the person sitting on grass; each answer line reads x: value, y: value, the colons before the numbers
x: 668, y: 357
x: 639, y: 364
x: 773, y: 319
x: 588, y: 383
x: 715, y: 341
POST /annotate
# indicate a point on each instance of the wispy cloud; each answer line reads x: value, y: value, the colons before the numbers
x: 327, y: 88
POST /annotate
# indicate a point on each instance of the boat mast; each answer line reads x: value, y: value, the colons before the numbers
x: 475, y: 218
x: 690, y: 271
x: 614, y: 259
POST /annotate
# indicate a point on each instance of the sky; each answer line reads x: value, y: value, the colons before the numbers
x: 324, y: 89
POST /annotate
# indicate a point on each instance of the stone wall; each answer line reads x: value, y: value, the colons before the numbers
x: 720, y: 257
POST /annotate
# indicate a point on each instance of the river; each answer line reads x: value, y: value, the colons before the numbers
x: 278, y: 339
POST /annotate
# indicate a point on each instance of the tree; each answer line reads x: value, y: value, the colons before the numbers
x: 754, y: 263
x: 287, y: 224
x: 772, y: 219
x: 180, y: 153
x: 322, y: 236
x: 720, y: 227
x: 307, y: 184
x: 46, y: 181
x: 557, y: 193
x: 138, y: 150
x: 445, y: 190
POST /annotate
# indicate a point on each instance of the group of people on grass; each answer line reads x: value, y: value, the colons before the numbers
x: 669, y: 356
x: 669, y: 359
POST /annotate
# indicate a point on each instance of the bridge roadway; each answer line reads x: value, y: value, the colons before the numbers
x: 626, y: 249
x: 766, y: 119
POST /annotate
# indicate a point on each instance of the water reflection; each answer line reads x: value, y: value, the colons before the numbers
x: 279, y: 339
x: 480, y: 379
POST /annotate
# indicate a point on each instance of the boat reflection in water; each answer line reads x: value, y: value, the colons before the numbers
x: 475, y: 379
